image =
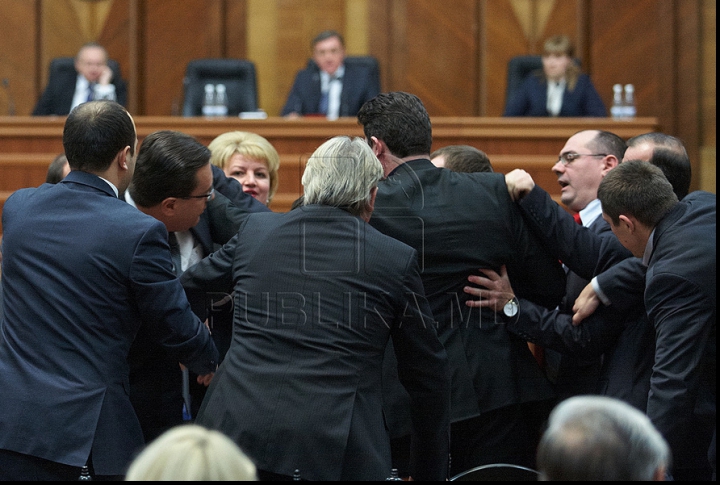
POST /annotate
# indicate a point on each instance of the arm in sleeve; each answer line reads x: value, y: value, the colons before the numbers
x: 294, y: 103
x: 582, y: 250
x: 592, y: 102
x: 623, y: 284
x: 213, y: 273
x: 163, y: 306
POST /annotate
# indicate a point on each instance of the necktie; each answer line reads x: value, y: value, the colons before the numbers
x: 91, y: 92
x: 324, y: 98
x: 175, y: 253
x: 576, y: 216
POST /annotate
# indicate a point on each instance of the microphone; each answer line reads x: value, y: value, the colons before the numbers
x: 11, y: 102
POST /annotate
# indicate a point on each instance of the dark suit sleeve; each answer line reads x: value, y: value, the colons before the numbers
x: 213, y: 273
x: 582, y: 250
x: 44, y: 104
x: 423, y: 371
x: 553, y: 329
x: 624, y: 284
x: 120, y: 89
x: 294, y: 103
x: 592, y: 103
x: 164, y: 308
x: 518, y: 103
x: 231, y: 188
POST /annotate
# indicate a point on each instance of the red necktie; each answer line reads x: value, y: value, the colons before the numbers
x: 576, y: 216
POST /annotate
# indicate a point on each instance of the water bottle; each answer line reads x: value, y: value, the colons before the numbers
x: 394, y: 476
x: 630, y: 110
x: 208, y: 108
x: 221, y: 101
x: 617, y: 110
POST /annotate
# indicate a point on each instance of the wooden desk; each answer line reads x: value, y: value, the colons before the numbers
x: 29, y: 144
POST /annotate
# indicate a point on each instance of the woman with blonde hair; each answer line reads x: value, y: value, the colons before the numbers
x: 191, y: 452
x: 250, y: 159
x: 559, y: 88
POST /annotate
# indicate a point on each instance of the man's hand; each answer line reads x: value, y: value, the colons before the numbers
x: 205, y: 379
x: 495, y: 292
x: 519, y: 183
x: 106, y: 76
x: 585, y: 304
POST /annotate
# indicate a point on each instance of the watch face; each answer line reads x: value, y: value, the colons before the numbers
x: 511, y: 308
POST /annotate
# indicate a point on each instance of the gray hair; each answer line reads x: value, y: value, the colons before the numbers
x: 341, y: 173
x: 600, y: 438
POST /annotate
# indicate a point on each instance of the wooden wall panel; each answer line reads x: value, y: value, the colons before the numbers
x: 453, y: 54
x: 447, y: 86
x: 18, y: 62
x: 175, y: 32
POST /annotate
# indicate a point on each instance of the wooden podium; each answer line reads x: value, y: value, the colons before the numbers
x: 29, y: 144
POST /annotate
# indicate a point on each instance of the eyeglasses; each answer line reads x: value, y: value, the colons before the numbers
x: 570, y: 157
x: 207, y: 196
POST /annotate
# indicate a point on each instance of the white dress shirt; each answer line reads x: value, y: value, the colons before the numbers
x: 100, y: 91
x: 333, y: 86
x: 555, y: 91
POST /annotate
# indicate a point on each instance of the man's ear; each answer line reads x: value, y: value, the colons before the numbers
x: 609, y: 162
x: 122, y: 158
x: 169, y: 206
x: 378, y: 147
x: 629, y: 222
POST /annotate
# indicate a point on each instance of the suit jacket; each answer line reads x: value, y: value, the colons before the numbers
x: 318, y: 295
x: 458, y: 223
x: 82, y: 271
x: 612, y: 352
x: 358, y: 86
x: 60, y: 90
x: 155, y: 377
x: 531, y: 99
x: 681, y: 301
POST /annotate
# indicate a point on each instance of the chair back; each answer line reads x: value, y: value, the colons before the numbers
x: 498, y: 472
x: 518, y: 69
x: 238, y: 76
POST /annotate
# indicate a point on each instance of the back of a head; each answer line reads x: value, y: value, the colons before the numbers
x: 601, y: 438
x: 190, y: 452
x: 94, y: 133
x: 670, y: 155
x: 341, y: 173
x: 400, y: 120
x: 56, y: 170
x: 166, y: 166
x: 463, y: 158
x: 608, y: 143
x: 638, y: 189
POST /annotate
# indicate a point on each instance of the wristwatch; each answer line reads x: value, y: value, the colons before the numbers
x: 511, y: 307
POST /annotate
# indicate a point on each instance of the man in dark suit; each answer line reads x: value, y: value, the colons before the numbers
x: 318, y: 295
x: 92, y: 79
x: 329, y: 86
x: 82, y: 271
x: 171, y: 167
x: 459, y: 222
x: 613, y: 353
x: 677, y: 244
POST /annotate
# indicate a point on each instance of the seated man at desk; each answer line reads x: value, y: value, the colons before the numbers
x: 330, y: 87
x: 92, y: 79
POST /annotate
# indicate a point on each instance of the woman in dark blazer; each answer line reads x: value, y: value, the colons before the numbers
x: 559, y: 89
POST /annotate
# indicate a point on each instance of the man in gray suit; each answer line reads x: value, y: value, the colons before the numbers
x: 318, y: 294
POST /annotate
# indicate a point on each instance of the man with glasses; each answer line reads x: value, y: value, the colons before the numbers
x: 173, y: 182
x: 613, y: 353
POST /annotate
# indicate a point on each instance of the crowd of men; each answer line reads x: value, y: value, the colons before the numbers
x: 381, y: 324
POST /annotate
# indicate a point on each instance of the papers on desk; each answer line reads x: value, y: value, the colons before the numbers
x: 253, y: 115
